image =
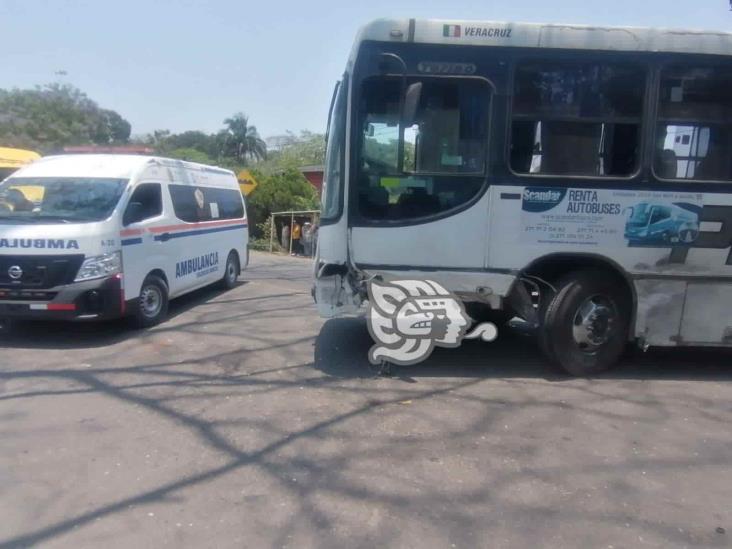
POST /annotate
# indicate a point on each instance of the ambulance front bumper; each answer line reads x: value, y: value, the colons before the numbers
x: 89, y: 300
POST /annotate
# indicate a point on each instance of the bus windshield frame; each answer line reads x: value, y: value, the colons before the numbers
x: 334, y: 173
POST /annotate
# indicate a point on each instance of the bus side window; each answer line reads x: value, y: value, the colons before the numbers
x: 694, y: 128
x: 577, y: 118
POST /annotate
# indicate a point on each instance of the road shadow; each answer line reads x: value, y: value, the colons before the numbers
x: 56, y: 334
x: 289, y: 454
x: 341, y: 350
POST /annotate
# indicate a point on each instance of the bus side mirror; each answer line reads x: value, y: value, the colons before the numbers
x: 411, y: 103
x: 134, y: 213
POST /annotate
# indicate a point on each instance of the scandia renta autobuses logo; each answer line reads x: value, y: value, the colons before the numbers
x: 541, y: 199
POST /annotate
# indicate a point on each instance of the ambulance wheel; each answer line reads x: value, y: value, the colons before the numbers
x: 231, y: 271
x: 152, y: 305
x: 586, y: 323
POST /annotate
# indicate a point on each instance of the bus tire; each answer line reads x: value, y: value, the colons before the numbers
x: 542, y: 335
x: 231, y: 271
x: 585, y: 328
x: 151, y: 307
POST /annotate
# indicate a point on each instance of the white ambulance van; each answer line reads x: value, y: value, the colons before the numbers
x: 87, y: 237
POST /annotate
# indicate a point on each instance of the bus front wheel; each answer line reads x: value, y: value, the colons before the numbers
x: 586, y: 322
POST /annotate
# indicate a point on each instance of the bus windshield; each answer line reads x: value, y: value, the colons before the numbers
x: 58, y: 199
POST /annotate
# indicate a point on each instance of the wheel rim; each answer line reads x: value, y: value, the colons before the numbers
x: 151, y: 301
x: 231, y: 270
x: 594, y: 323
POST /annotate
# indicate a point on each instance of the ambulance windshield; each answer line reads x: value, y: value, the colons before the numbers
x: 58, y: 199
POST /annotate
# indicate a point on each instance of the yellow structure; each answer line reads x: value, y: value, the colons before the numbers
x: 15, y: 158
x: 247, y: 183
x: 11, y: 160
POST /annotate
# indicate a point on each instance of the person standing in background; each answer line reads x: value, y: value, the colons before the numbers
x: 307, y: 239
x: 295, y: 235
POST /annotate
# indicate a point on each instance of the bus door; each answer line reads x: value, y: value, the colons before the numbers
x: 420, y: 174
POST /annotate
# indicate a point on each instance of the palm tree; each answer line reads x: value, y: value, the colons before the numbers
x: 243, y: 141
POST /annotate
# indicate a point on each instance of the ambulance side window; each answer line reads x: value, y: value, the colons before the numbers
x: 146, y: 202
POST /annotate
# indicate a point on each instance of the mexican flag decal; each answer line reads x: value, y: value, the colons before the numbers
x: 453, y: 31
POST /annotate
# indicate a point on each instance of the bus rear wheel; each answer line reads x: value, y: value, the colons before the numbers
x: 585, y: 324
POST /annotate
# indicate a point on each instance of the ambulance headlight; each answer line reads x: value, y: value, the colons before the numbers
x: 100, y: 266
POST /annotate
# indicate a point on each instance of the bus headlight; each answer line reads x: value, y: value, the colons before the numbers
x: 100, y: 266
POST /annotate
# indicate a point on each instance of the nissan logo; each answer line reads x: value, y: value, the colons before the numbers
x: 15, y: 272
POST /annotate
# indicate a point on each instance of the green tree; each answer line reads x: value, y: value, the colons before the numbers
x: 193, y: 139
x: 50, y: 117
x: 281, y: 191
x: 159, y: 140
x: 190, y: 154
x: 304, y: 150
x: 242, y: 140
x: 112, y: 128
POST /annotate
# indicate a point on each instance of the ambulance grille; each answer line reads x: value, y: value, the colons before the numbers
x: 38, y: 271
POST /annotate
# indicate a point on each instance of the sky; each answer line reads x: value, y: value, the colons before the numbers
x: 185, y: 64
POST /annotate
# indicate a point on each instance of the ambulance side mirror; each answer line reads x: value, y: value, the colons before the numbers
x: 135, y: 212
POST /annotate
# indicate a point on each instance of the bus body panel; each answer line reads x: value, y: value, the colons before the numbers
x: 431, y: 244
x: 668, y: 234
x: 669, y: 311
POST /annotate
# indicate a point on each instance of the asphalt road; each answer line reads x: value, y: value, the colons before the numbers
x: 245, y: 420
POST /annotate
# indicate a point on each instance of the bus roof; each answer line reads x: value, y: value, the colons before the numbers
x: 533, y: 35
x: 121, y: 166
x: 15, y: 158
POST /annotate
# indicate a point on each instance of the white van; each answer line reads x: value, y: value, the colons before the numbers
x: 101, y: 236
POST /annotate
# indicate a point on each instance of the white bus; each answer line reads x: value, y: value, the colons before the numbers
x: 86, y: 237
x: 528, y: 168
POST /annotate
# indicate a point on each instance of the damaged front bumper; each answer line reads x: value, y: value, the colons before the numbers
x: 334, y: 291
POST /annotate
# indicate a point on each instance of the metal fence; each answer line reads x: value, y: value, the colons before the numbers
x: 304, y: 224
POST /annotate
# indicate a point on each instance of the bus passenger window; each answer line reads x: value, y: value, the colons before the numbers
x: 577, y: 118
x: 442, y: 147
x: 694, y: 130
